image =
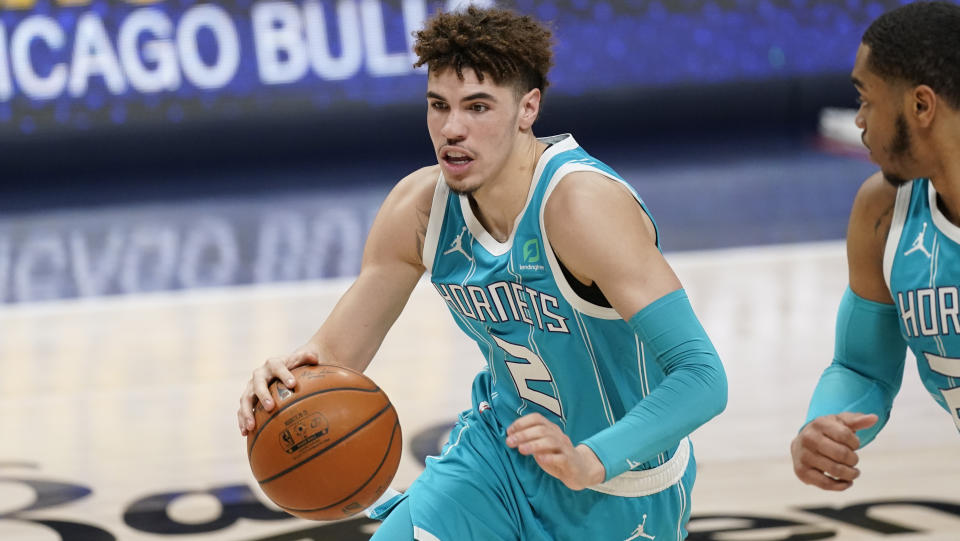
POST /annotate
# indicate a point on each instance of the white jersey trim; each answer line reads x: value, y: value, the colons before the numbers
x: 388, y: 500
x: 943, y: 224
x: 419, y: 534
x: 636, y: 484
x: 900, y: 209
x: 560, y: 143
x: 580, y: 304
x: 438, y: 212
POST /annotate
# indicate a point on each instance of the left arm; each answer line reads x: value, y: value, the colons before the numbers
x: 616, y: 248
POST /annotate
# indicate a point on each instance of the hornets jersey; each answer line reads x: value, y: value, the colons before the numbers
x: 550, y: 346
x: 921, y: 266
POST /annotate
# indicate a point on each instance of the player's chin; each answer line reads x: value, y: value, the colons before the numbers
x: 461, y: 186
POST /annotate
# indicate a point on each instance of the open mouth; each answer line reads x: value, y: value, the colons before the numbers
x: 455, y: 158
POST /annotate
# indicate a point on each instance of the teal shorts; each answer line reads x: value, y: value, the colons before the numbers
x: 480, y: 489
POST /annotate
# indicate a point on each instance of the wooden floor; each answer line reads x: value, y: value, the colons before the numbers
x: 117, y: 415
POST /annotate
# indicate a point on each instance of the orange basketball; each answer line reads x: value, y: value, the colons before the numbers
x: 328, y: 449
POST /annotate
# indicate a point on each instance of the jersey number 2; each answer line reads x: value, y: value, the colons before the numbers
x: 529, y: 367
x: 950, y: 367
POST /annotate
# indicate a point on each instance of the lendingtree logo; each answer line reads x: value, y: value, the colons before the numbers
x: 531, y: 251
x: 530, y: 254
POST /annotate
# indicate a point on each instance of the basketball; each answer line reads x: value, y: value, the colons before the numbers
x: 329, y: 448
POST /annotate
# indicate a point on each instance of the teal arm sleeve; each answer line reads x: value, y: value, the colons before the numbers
x: 867, y: 364
x: 693, y: 391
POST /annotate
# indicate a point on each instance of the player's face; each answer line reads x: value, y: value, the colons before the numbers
x: 886, y: 132
x: 473, y: 125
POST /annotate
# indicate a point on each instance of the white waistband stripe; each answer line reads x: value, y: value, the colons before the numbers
x: 635, y: 484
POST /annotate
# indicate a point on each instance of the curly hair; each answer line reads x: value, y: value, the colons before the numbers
x: 512, y: 49
x: 919, y: 43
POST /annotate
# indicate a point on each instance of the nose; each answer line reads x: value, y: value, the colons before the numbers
x: 859, y: 121
x: 453, y: 127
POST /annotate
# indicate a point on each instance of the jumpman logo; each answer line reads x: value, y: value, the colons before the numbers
x: 918, y: 243
x: 638, y: 533
x: 457, y: 245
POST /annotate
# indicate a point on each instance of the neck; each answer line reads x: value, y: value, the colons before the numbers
x: 948, y: 200
x: 946, y: 175
x: 498, y: 203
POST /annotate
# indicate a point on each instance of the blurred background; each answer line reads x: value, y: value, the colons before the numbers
x: 186, y: 188
x: 291, y: 120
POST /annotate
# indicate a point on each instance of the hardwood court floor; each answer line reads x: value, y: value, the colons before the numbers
x: 117, y: 415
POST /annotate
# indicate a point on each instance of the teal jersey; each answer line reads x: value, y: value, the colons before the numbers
x: 922, y: 269
x: 550, y: 347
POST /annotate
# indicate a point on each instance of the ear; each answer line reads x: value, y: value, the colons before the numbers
x: 529, y: 108
x: 923, y: 103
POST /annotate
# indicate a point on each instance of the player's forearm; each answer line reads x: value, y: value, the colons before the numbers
x: 326, y: 352
x: 680, y: 404
x: 693, y: 391
x: 868, y: 364
x: 356, y: 327
x: 350, y: 341
x: 841, y: 389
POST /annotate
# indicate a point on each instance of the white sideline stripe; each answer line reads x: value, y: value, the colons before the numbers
x: 213, y: 295
x: 758, y: 254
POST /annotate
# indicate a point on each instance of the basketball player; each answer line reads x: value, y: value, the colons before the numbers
x: 598, y: 368
x: 903, y: 242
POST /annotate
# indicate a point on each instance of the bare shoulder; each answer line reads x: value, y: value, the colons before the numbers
x: 588, y: 185
x: 874, y: 204
x: 602, y: 235
x: 584, y: 197
x: 401, y: 224
x: 867, y: 232
x: 410, y: 200
x: 417, y: 187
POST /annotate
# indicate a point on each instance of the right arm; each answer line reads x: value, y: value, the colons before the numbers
x: 352, y: 333
x: 853, y: 397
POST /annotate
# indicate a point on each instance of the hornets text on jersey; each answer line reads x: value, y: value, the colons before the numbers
x: 921, y: 266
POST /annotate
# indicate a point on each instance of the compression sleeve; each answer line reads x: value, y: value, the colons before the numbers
x: 693, y: 391
x: 867, y: 367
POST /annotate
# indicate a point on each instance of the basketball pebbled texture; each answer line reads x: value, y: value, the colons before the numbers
x: 330, y: 448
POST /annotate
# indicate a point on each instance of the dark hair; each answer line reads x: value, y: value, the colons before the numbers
x: 919, y: 43
x: 510, y: 48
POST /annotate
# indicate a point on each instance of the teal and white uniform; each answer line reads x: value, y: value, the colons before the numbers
x: 562, y: 353
x: 921, y: 265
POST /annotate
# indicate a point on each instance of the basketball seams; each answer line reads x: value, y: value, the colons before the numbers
x: 274, y: 415
x: 393, y: 436
x: 332, y: 450
x: 275, y: 476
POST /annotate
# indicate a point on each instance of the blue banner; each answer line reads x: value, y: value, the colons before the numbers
x: 82, y: 64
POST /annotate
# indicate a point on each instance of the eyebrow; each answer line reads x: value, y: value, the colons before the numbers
x: 471, y: 97
x: 479, y: 96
